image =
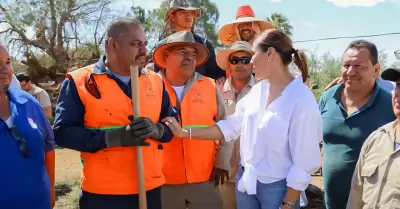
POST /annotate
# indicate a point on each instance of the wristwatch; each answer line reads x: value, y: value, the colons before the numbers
x: 289, y: 204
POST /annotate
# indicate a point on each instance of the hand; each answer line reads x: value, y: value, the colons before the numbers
x: 175, y: 127
x: 219, y: 176
x: 123, y: 137
x: 284, y: 207
x: 220, y: 81
x: 145, y: 128
x: 333, y: 83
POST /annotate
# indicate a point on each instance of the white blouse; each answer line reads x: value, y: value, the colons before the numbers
x: 278, y: 142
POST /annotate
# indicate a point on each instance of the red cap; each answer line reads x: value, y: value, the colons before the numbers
x: 245, y: 11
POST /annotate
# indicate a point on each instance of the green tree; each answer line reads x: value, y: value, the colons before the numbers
x: 59, y: 29
x: 281, y: 22
x: 156, y: 29
x: 323, y: 69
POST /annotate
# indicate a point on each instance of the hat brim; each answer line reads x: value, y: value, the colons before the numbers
x: 391, y: 74
x: 223, y: 57
x: 227, y: 33
x: 159, y: 53
x: 197, y: 11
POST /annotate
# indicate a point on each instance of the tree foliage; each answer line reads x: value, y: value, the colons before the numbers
x: 281, y: 22
x: 156, y: 29
x: 55, y: 30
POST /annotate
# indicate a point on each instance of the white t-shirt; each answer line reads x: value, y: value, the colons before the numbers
x: 179, y: 91
x: 9, y: 122
x: 15, y: 83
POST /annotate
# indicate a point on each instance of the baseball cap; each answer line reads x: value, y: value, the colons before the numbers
x: 391, y: 74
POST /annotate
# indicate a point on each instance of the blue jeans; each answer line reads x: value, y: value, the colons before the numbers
x: 269, y: 196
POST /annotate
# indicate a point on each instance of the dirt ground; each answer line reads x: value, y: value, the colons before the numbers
x: 68, y: 164
x: 68, y: 170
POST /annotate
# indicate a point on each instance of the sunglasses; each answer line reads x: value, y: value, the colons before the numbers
x: 23, y: 147
x: 236, y: 60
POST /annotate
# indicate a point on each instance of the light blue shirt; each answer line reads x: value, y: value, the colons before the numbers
x: 387, y: 85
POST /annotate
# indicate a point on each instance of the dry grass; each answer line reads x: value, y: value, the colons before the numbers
x: 67, y: 179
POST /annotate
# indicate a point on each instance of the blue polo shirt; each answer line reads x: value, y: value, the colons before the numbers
x: 24, y: 181
x: 343, y: 137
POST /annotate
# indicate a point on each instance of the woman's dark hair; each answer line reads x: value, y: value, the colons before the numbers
x: 283, y: 45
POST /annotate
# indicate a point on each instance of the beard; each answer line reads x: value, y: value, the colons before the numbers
x: 247, y: 35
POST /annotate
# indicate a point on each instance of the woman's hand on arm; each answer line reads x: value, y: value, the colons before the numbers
x: 208, y: 133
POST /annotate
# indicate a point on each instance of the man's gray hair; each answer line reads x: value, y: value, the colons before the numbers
x: 119, y: 26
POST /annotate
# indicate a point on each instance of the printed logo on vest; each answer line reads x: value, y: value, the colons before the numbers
x: 198, y: 99
x: 32, y: 123
x: 148, y: 92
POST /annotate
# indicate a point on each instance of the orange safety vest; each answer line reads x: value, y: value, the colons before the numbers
x: 114, y: 170
x: 190, y: 160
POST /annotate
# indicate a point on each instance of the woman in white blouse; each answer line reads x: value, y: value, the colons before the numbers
x: 279, y: 125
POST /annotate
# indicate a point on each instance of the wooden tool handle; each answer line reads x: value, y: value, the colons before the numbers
x: 139, y: 151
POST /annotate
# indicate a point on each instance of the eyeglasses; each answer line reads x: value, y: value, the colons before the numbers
x: 236, y: 60
x: 23, y: 147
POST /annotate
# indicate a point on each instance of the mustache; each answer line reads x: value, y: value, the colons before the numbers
x: 246, y: 30
x: 141, y: 56
x: 187, y: 61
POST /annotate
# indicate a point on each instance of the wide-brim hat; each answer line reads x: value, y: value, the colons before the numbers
x: 181, y: 4
x: 223, y: 54
x: 227, y: 33
x: 182, y: 38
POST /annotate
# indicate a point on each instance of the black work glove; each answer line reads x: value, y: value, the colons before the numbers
x: 123, y: 137
x: 145, y: 128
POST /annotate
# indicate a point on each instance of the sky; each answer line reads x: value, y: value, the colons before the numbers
x: 315, y: 19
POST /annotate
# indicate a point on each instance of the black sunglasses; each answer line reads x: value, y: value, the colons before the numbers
x: 236, y: 60
x: 23, y: 147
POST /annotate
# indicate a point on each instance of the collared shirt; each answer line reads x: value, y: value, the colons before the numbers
x: 15, y: 83
x: 24, y: 181
x: 209, y: 68
x: 376, y: 179
x: 343, y: 138
x: 385, y: 84
x: 223, y: 154
x: 231, y: 97
x: 69, y: 127
x: 277, y: 142
x: 41, y: 95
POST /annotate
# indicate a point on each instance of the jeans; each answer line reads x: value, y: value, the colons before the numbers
x: 269, y: 196
x: 99, y: 201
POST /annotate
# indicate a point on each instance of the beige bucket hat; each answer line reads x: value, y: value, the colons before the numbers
x: 223, y: 54
x: 182, y: 38
x: 181, y: 4
x: 227, y: 33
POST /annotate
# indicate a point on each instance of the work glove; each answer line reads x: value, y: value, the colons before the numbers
x: 123, y: 137
x: 145, y: 128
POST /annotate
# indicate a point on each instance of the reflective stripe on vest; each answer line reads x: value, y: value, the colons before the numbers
x: 114, y: 170
x: 190, y: 160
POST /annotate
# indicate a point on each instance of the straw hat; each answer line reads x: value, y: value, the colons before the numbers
x: 184, y: 38
x: 227, y: 33
x: 181, y: 4
x: 223, y: 54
